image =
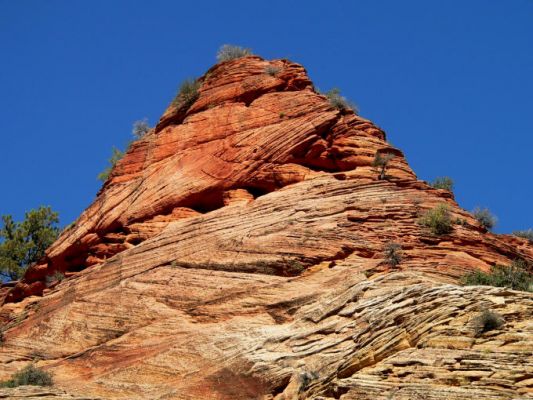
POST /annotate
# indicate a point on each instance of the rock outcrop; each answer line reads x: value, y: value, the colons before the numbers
x: 236, y: 252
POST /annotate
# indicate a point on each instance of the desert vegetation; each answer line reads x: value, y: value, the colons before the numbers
x: 392, y: 253
x: 526, y: 234
x: 487, y: 320
x: 515, y: 276
x: 187, y: 93
x: 140, y: 128
x: 23, y: 243
x: 29, y: 375
x: 116, y: 156
x: 485, y: 218
x: 340, y: 102
x: 230, y: 52
x: 443, y: 182
x: 438, y: 220
x: 381, y: 162
x: 272, y: 70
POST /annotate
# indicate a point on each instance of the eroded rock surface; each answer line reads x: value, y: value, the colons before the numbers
x: 236, y: 252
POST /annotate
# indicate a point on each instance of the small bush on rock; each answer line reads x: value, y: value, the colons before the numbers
x: 526, y: 234
x: 514, y: 276
x: 438, y: 220
x: 116, y: 155
x: 340, y: 102
x: 272, y: 70
x: 29, y: 375
x: 443, y: 182
x: 187, y: 94
x: 392, y: 253
x: 140, y: 128
x: 484, y: 217
x: 229, y: 52
x: 381, y: 161
x: 487, y: 321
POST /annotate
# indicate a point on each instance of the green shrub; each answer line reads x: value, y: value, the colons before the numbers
x: 487, y: 321
x: 438, y: 220
x: 140, y: 128
x: 381, y: 161
x: 340, y: 102
x: 443, y: 182
x: 229, y: 52
x: 29, y: 375
x: 115, y: 157
x: 526, y: 234
x: 484, y: 217
x: 23, y: 243
x: 392, y: 253
x: 272, y: 70
x: 514, y: 276
x: 187, y: 94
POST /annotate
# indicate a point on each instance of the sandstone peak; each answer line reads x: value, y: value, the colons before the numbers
x: 236, y: 252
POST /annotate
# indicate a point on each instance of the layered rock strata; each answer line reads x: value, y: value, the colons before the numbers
x: 237, y: 252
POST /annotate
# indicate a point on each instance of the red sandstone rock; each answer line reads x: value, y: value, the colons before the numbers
x: 236, y: 252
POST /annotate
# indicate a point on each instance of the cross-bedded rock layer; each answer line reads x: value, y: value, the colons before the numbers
x: 236, y: 252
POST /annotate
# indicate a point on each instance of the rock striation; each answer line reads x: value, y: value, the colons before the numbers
x: 236, y: 252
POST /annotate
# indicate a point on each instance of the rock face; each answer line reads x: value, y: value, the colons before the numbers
x: 236, y: 252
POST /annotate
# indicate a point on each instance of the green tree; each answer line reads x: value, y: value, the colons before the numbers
x: 23, y: 243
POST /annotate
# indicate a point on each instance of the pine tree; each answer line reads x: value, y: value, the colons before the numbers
x: 23, y: 243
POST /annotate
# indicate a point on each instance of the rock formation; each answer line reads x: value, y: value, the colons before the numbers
x: 236, y: 252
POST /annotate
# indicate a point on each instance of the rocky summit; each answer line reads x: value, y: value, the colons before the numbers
x: 237, y: 251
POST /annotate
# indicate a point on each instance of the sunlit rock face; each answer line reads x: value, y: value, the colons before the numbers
x: 237, y: 252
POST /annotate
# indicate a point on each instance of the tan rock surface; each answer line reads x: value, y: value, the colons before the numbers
x: 39, y: 393
x: 236, y: 252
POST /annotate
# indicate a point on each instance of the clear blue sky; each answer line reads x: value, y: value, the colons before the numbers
x: 451, y: 82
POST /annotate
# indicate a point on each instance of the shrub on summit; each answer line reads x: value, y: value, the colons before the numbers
x: 230, y: 52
